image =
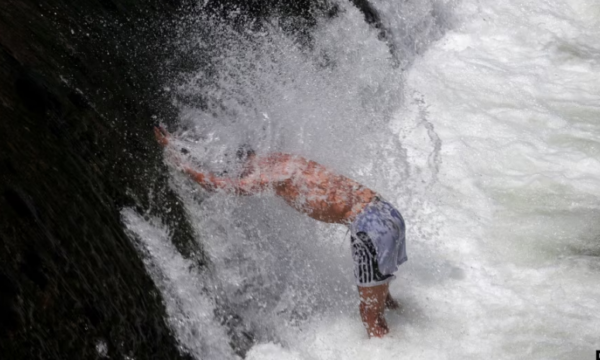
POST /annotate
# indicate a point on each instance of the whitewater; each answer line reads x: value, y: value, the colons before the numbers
x: 485, y: 135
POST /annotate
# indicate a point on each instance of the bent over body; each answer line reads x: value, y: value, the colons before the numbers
x: 311, y: 188
x: 304, y: 185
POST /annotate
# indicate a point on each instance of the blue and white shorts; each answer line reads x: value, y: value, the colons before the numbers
x: 378, y: 243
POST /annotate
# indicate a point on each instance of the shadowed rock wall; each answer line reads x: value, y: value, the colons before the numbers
x: 78, y: 92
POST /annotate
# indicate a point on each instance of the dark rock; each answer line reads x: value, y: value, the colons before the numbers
x: 34, y: 95
x: 10, y: 318
x: 71, y: 155
x: 21, y: 204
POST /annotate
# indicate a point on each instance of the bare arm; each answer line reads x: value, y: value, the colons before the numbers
x: 209, y: 181
x: 247, y: 185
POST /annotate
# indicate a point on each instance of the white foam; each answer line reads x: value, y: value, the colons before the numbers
x: 190, y: 310
x: 489, y: 149
x: 515, y: 119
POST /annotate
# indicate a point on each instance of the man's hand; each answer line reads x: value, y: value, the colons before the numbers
x: 162, y: 136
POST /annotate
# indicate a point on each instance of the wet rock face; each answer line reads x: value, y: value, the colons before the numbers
x: 77, y: 100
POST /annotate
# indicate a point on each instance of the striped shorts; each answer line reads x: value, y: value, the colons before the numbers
x: 378, y: 243
x: 366, y: 267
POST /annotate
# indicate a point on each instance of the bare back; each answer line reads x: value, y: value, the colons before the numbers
x: 309, y: 187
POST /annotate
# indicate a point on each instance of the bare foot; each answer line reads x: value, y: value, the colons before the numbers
x: 380, y: 328
x: 379, y: 331
x: 391, y: 303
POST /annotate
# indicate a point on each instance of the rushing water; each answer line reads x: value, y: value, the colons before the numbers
x: 486, y: 138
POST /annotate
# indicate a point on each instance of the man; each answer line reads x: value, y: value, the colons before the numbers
x: 377, y: 229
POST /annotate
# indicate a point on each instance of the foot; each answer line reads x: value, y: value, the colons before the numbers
x: 391, y: 303
x: 378, y: 331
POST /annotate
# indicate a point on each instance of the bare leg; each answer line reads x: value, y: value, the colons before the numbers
x: 372, y: 305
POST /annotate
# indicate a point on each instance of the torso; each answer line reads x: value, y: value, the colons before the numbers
x: 311, y: 188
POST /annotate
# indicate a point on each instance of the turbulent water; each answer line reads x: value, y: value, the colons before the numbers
x: 486, y: 137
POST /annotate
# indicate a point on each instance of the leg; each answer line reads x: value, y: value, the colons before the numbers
x: 372, y: 305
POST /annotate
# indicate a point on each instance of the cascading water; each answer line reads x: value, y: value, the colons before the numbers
x: 487, y: 142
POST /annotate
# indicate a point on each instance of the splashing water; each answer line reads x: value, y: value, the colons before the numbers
x: 487, y: 142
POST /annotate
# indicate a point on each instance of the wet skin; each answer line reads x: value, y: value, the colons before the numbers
x: 304, y: 184
x: 313, y: 190
x: 373, y: 302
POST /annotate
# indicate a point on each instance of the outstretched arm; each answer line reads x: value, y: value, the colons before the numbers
x: 245, y: 186
x: 209, y: 181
